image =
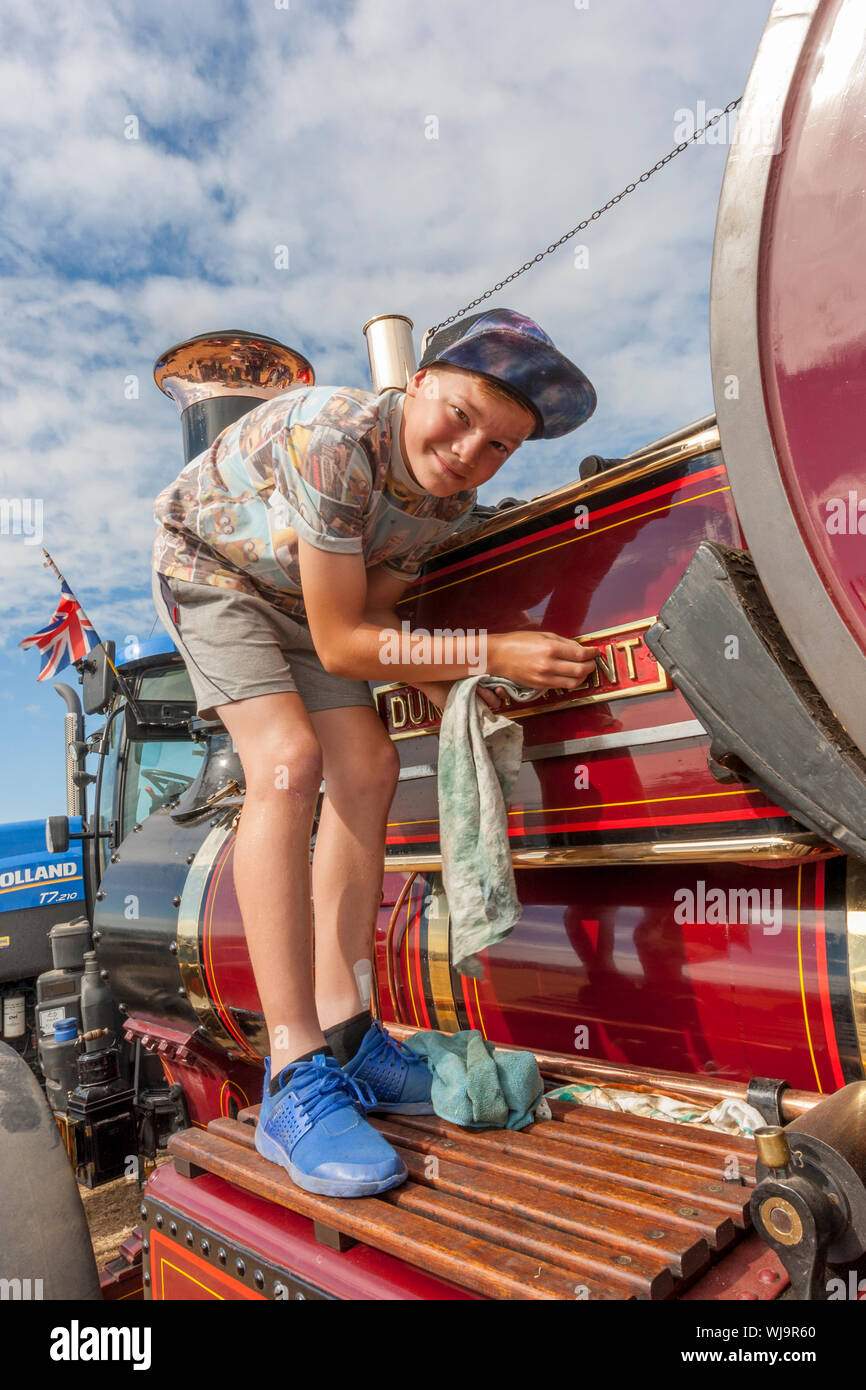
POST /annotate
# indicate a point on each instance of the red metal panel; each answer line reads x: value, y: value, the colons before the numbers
x: 285, y: 1240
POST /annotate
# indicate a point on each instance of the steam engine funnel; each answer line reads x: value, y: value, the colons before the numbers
x: 391, y: 350
x: 216, y: 378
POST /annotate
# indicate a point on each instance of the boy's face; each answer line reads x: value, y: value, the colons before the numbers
x: 454, y: 436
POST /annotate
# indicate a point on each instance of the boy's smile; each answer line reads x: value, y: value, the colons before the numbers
x: 454, y: 435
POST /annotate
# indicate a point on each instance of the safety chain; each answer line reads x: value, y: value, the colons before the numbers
x: 630, y: 188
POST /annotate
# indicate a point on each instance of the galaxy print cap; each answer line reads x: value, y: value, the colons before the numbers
x: 512, y: 350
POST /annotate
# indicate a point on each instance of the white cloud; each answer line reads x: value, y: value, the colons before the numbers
x: 306, y: 127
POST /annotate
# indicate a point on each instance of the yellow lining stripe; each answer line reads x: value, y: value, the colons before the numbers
x: 602, y: 805
x: 803, y: 983
x: 599, y: 531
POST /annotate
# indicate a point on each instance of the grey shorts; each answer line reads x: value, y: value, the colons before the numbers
x: 235, y: 646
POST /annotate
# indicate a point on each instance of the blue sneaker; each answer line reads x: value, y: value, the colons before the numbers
x: 399, y: 1079
x: 314, y: 1127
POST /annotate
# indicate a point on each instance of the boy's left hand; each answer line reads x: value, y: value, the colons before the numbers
x: 437, y: 693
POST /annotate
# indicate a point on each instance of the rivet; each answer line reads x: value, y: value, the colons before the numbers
x: 205, y: 1247
x: 181, y: 990
x: 190, y: 858
x: 189, y: 1237
x: 769, y: 1276
x: 103, y: 974
x: 159, y: 1221
x: 145, y: 1244
x: 172, y: 946
x: 622, y: 1259
x: 714, y: 1187
x: 240, y: 1267
x: 656, y: 1235
x: 221, y: 1256
x: 142, y: 1211
x: 175, y: 902
x: 687, y: 1211
x: 746, y: 1297
x: 147, y: 1278
x: 172, y: 1226
x: 137, y: 826
x: 115, y: 858
x: 100, y: 894
x: 259, y: 1279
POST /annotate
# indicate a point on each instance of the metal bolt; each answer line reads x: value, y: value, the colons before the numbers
x: 103, y: 974
x: 189, y: 1237
x: 240, y: 1267
x: 687, y: 1211
x: 147, y: 1278
x: 97, y: 935
x: 145, y: 1244
x: 655, y: 1235
x: 181, y: 991
x: 115, y: 859
x: 221, y: 1255
x: 175, y: 902
x: 280, y: 1290
x: 137, y: 826
x: 142, y: 1211
x: 100, y: 894
x: 159, y: 1220
x: 714, y: 1187
x: 768, y: 1276
x: 622, y: 1259
x: 190, y: 858
x: 205, y: 1247
x: 172, y: 1226
x: 172, y: 946
x: 259, y: 1279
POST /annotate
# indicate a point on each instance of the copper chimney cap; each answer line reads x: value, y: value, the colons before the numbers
x: 230, y: 362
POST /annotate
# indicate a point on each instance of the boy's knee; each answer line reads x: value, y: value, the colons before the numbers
x: 293, y: 765
x: 373, y: 772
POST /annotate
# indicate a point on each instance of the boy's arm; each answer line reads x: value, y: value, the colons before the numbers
x: 352, y: 619
x: 344, y: 605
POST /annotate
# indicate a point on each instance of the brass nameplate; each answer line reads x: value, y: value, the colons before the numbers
x: 625, y: 667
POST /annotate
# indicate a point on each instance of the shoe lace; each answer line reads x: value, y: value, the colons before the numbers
x: 321, y: 1086
x: 387, y: 1043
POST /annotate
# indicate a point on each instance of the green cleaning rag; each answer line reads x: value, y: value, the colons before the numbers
x: 474, y: 1085
x: 479, y: 759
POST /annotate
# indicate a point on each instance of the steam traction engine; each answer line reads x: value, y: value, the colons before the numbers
x: 688, y: 832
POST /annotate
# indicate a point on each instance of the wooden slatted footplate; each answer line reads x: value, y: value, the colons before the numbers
x: 589, y: 1204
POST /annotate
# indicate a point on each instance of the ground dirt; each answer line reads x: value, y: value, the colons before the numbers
x: 112, y: 1211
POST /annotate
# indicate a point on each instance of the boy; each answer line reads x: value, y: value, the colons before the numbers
x: 283, y: 550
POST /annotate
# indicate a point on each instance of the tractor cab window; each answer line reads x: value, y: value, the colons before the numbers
x: 155, y: 774
x: 159, y: 762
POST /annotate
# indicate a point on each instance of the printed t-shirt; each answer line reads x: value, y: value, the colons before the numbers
x: 320, y: 463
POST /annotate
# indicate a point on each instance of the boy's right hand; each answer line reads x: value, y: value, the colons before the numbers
x: 542, y: 660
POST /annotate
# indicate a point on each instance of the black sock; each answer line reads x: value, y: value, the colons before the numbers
x: 307, y: 1057
x: 345, y: 1038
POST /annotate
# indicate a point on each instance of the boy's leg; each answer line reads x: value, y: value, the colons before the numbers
x: 360, y: 768
x: 282, y: 764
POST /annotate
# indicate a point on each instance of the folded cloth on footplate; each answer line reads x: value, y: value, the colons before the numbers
x: 476, y: 1086
x: 479, y: 759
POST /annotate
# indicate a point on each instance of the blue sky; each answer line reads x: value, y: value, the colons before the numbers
x: 307, y: 127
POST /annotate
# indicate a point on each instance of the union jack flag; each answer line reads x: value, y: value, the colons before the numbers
x: 67, y: 638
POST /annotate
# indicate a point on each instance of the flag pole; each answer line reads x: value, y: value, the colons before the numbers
x: 121, y: 680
